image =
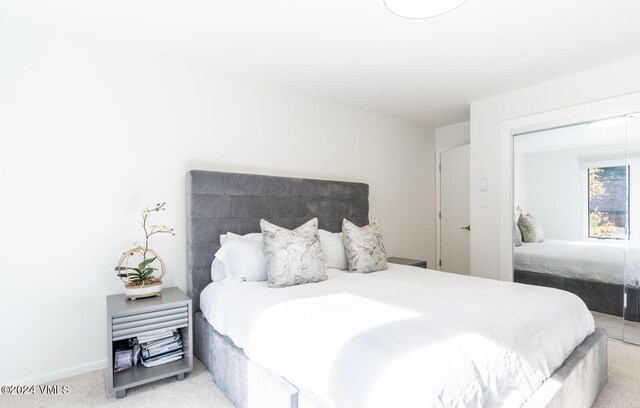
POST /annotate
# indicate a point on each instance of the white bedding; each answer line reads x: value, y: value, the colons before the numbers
x: 404, y: 337
x: 603, y: 262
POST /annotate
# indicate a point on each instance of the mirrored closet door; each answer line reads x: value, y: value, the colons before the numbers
x: 574, y: 206
x: 631, y: 332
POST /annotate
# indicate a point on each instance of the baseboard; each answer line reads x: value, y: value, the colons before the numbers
x: 60, y: 374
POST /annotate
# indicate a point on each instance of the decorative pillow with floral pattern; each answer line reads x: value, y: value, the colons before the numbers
x: 530, y: 228
x: 294, y: 256
x: 365, y: 247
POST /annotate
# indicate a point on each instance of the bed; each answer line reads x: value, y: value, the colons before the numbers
x: 384, y: 319
x: 594, y: 271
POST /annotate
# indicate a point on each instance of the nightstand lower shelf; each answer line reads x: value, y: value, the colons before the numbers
x: 138, y: 375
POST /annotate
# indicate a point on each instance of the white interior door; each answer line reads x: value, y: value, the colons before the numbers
x: 454, y: 210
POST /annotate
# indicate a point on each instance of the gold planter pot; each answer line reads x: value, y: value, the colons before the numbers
x: 134, y: 292
x: 150, y: 287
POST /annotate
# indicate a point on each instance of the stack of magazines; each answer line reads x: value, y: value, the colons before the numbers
x: 160, y: 348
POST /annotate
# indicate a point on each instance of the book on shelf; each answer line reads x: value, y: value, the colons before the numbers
x: 163, y: 358
x: 161, y: 342
x: 160, y: 348
x: 156, y: 336
x: 151, y: 352
x: 157, y: 363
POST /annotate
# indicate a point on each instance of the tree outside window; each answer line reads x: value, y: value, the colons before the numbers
x: 608, y: 202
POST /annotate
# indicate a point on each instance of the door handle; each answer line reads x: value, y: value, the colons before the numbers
x: 468, y: 228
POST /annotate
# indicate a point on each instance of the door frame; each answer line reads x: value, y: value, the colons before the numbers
x: 438, y: 194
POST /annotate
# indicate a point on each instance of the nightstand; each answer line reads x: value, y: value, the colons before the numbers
x: 407, y: 261
x: 131, y: 318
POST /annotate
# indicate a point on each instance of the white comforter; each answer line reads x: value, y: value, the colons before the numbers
x: 606, y: 262
x: 405, y: 337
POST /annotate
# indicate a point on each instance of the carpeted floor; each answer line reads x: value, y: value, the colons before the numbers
x: 197, y: 390
x: 88, y: 390
x: 623, y: 388
x: 617, y: 328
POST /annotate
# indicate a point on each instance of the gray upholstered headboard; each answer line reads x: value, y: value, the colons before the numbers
x: 221, y: 202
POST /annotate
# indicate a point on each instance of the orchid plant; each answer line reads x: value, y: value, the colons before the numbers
x: 144, y: 270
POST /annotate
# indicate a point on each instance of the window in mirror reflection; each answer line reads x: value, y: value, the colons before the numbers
x: 608, y: 202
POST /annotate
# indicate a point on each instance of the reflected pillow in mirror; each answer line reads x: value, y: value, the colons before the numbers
x: 517, y: 235
x: 530, y: 228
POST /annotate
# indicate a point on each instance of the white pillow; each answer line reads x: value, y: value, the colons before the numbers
x: 217, y: 270
x: 253, y: 237
x: 335, y: 255
x: 243, y: 259
x: 217, y: 266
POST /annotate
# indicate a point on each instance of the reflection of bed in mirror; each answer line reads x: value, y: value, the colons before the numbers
x: 594, y: 271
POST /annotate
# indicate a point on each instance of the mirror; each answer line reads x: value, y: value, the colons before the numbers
x: 574, y: 206
x: 631, y: 329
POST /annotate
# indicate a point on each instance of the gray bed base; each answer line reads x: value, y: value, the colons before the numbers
x: 600, y: 297
x: 576, y: 384
x: 220, y: 202
x: 244, y: 382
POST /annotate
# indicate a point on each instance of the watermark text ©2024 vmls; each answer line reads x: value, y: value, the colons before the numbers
x: 33, y: 389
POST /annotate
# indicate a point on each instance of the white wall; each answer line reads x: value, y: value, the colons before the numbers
x: 490, y: 240
x: 554, y: 194
x: 519, y: 180
x: 92, y: 131
x: 456, y: 135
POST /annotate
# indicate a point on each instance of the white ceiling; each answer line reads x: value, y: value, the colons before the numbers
x: 569, y: 138
x: 610, y: 139
x: 357, y: 53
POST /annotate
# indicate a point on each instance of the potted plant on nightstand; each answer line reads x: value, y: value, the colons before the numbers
x: 145, y: 279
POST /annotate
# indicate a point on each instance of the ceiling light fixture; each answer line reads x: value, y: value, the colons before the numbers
x: 611, y: 122
x: 421, y: 9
